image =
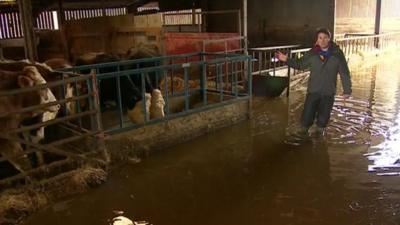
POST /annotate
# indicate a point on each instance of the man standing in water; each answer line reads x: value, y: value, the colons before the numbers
x: 325, y: 60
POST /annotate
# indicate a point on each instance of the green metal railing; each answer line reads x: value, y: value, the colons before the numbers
x: 211, y: 80
x: 355, y: 43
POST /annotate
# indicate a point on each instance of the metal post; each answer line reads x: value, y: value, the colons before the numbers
x: 245, y: 26
x: 288, y: 75
x: 332, y: 17
x: 378, y: 21
x: 97, y: 124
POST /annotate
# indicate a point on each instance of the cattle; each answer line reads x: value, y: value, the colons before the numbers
x: 131, y: 86
x: 70, y: 89
x: 10, y: 80
x: 152, y: 85
x: 46, y: 72
x: 42, y: 74
x: 107, y: 91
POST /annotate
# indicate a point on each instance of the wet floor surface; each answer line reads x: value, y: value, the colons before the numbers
x: 258, y: 172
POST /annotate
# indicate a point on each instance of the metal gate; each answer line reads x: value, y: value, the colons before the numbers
x: 71, y: 139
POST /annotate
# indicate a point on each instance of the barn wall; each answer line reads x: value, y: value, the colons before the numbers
x: 113, y: 35
x: 279, y: 21
x: 355, y: 16
x: 358, y: 16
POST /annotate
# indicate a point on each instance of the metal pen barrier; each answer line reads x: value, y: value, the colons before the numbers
x: 195, y: 72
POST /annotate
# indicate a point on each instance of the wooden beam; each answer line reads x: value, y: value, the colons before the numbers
x: 25, y: 12
x: 103, y: 7
x: 62, y: 27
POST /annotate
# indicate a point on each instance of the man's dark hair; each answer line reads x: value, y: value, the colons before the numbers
x: 323, y: 31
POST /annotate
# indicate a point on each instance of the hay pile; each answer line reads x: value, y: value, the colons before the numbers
x: 16, y: 206
x: 86, y: 178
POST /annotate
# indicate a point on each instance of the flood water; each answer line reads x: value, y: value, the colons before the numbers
x: 258, y: 173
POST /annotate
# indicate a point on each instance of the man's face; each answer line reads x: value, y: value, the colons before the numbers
x: 323, y: 40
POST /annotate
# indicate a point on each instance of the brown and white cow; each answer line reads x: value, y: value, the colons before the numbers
x: 11, y: 80
x: 41, y: 75
x: 70, y: 89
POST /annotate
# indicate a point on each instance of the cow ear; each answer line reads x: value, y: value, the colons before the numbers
x: 24, y: 81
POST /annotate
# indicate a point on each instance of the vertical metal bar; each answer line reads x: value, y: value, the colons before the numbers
x: 89, y: 85
x: 236, y: 79
x: 270, y: 63
x: 186, y: 86
x: 274, y: 64
x: 378, y: 11
x: 64, y: 90
x: 172, y: 79
x: 119, y: 99
x: 232, y: 72
x: 220, y: 81
x: 78, y: 103
x: 260, y: 61
x: 250, y: 87
x: 166, y: 93
x: 98, y: 82
x: 142, y: 78
x: 203, y: 82
x: 288, y: 75
x: 226, y: 65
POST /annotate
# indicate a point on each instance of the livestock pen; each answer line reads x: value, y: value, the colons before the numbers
x: 189, y: 83
x: 202, y: 92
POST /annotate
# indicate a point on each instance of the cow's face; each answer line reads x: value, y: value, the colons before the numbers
x: 46, y: 95
x: 28, y: 99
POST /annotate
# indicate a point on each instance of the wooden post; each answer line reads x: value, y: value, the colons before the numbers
x: 63, y: 35
x: 103, y: 7
x: 378, y: 21
x: 193, y: 15
x: 25, y: 12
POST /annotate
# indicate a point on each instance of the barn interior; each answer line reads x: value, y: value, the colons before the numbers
x: 98, y: 86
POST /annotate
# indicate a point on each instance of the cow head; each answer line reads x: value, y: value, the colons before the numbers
x: 47, y: 95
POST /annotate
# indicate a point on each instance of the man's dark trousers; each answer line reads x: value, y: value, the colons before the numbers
x: 317, y: 106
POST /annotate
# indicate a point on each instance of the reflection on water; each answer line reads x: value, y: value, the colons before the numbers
x: 257, y: 173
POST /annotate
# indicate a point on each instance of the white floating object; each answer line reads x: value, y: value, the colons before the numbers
x: 122, y: 220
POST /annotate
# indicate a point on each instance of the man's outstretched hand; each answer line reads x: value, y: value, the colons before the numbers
x: 282, y: 57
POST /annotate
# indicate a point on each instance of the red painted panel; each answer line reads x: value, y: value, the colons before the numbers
x: 181, y: 43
